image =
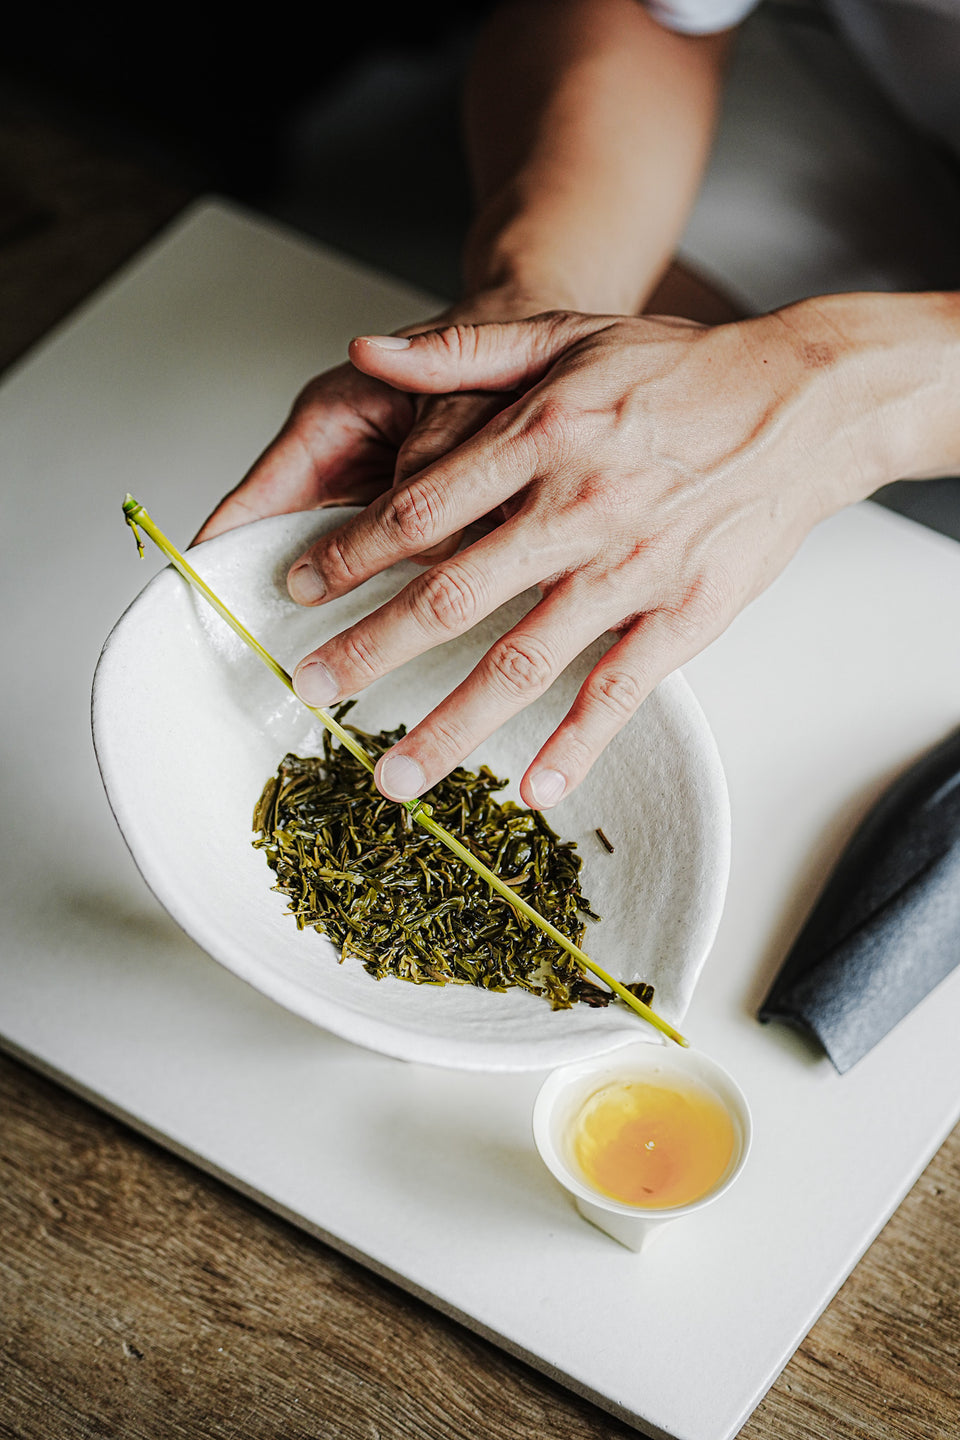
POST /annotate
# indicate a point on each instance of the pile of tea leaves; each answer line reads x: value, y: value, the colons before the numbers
x: 358, y: 869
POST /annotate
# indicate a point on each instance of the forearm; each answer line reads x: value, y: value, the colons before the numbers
x: 588, y: 128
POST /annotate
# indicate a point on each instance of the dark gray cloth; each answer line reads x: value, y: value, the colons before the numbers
x: 886, y: 929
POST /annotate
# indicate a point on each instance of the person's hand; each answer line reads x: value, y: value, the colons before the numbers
x: 656, y: 475
x: 349, y: 437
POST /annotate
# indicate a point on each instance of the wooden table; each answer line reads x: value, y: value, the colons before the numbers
x: 139, y: 1297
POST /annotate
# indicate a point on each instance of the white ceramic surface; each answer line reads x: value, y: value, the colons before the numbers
x: 567, y: 1089
x: 188, y: 725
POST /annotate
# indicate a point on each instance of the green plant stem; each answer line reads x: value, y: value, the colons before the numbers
x: 419, y: 810
x: 136, y: 516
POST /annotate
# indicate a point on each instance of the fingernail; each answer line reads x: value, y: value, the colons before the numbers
x: 400, y: 777
x: 387, y: 342
x: 547, y: 786
x: 304, y: 584
x: 315, y: 684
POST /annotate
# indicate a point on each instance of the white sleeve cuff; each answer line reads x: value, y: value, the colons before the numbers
x: 700, y: 17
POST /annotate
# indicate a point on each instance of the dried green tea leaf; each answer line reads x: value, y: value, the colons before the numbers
x: 354, y: 867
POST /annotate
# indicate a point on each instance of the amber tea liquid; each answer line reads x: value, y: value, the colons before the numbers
x: 653, y: 1142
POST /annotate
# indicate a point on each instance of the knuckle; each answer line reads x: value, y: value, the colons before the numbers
x: 559, y: 322
x: 361, y: 659
x: 427, y: 439
x: 616, y: 692
x: 608, y: 495
x: 411, y: 458
x: 335, y: 564
x: 445, y: 599
x: 549, y: 429
x: 432, y: 417
x: 452, y: 345
x: 715, y: 595
x: 578, y: 753
x: 414, y: 513
x: 558, y: 328
x: 434, y: 411
x: 704, y: 606
x: 459, y: 339
x: 449, y: 739
x: 427, y: 443
x: 550, y: 417
x: 520, y: 665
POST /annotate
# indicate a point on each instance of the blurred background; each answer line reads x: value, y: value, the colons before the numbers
x: 110, y: 123
x: 349, y: 130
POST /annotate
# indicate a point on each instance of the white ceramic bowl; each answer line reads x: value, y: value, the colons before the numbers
x: 188, y: 725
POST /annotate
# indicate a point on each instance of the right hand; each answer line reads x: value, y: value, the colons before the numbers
x: 350, y: 437
x: 656, y: 475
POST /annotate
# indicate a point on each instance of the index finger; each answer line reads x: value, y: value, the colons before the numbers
x: 423, y: 511
x: 274, y: 485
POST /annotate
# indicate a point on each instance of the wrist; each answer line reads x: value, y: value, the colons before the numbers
x: 894, y: 363
x: 508, y: 300
x: 539, y: 260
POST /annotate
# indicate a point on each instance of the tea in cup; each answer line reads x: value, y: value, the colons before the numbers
x: 642, y: 1136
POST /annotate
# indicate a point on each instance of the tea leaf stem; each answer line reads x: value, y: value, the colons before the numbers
x: 137, y: 517
x: 419, y: 810
x: 424, y: 818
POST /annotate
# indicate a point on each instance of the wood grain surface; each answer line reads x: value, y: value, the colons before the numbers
x: 140, y: 1298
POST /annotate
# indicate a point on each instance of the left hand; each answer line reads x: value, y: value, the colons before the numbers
x: 656, y: 475
x: 349, y: 437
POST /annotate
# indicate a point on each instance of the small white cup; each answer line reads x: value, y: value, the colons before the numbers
x: 565, y: 1092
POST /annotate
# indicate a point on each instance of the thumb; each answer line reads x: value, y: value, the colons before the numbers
x: 504, y: 355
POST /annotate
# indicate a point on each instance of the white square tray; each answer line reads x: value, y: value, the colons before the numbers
x: 167, y: 383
